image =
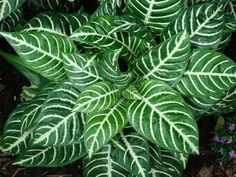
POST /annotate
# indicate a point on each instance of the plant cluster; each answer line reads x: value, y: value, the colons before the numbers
x: 224, y: 140
x: 122, y: 87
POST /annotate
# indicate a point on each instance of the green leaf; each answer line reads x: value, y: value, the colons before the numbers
x: 134, y: 153
x: 8, y: 6
x: 41, y: 51
x: 167, y: 61
x: 11, y: 22
x: 225, y: 40
x: 164, y: 163
x: 161, y: 115
x: 156, y: 14
x: 209, y: 75
x: 28, y: 93
x: 97, y: 97
x: 230, y: 16
x: 203, y: 22
x: 57, y: 125
x: 36, y: 156
x: 53, y: 22
x: 1, y: 87
x: 82, y: 69
x: 104, y: 164
x: 110, y: 70
x: 24, y: 69
x: 101, y: 32
x: 226, y: 105
x: 128, y: 92
x: 31, y: 112
x: 47, y: 4
x: 103, y: 126
x: 12, y: 141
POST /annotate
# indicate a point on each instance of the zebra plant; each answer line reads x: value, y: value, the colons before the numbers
x: 120, y: 89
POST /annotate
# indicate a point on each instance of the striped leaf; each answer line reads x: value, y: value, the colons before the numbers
x: 12, y: 141
x: 11, y: 22
x: 204, y: 23
x: 226, y: 105
x: 9, y: 6
x: 36, y: 156
x: 100, y: 32
x: 57, y: 125
x: 28, y: 93
x: 31, y: 112
x: 161, y: 115
x: 133, y: 153
x: 53, y: 22
x: 209, y: 75
x: 41, y: 51
x: 103, y: 126
x: 110, y: 70
x: 103, y: 164
x: 167, y: 61
x: 82, y: 69
x: 231, y: 16
x: 97, y: 97
x: 47, y: 4
x: 164, y: 164
x: 155, y: 14
x: 128, y: 92
x: 225, y: 40
x: 71, y: 5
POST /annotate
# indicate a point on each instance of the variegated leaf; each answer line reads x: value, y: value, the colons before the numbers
x: 36, y: 156
x: 103, y: 164
x: 164, y: 164
x: 57, y: 125
x: 53, y: 22
x: 47, y: 4
x: 41, y: 51
x: 82, y: 69
x: 161, y: 115
x: 133, y: 153
x: 156, y: 14
x: 231, y: 16
x: 101, y: 127
x: 204, y: 23
x: 128, y: 92
x: 11, y: 22
x: 97, y: 97
x: 101, y: 33
x: 31, y: 112
x: 209, y: 75
x: 9, y: 6
x: 110, y: 70
x: 12, y: 141
x: 167, y: 61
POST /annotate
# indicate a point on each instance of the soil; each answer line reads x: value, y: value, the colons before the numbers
x: 204, y: 165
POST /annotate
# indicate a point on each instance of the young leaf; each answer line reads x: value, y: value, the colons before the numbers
x: 156, y: 14
x: 97, y: 97
x: 204, y: 23
x: 9, y: 6
x: 103, y: 164
x: 100, y: 32
x: 82, y: 69
x: 110, y: 70
x: 209, y: 75
x: 101, y: 127
x: 166, y: 61
x: 161, y: 115
x: 57, y: 125
x: 36, y: 156
x: 53, y: 22
x: 13, y: 142
x: 134, y: 153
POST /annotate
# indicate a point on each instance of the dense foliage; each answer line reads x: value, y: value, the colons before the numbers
x: 121, y: 88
